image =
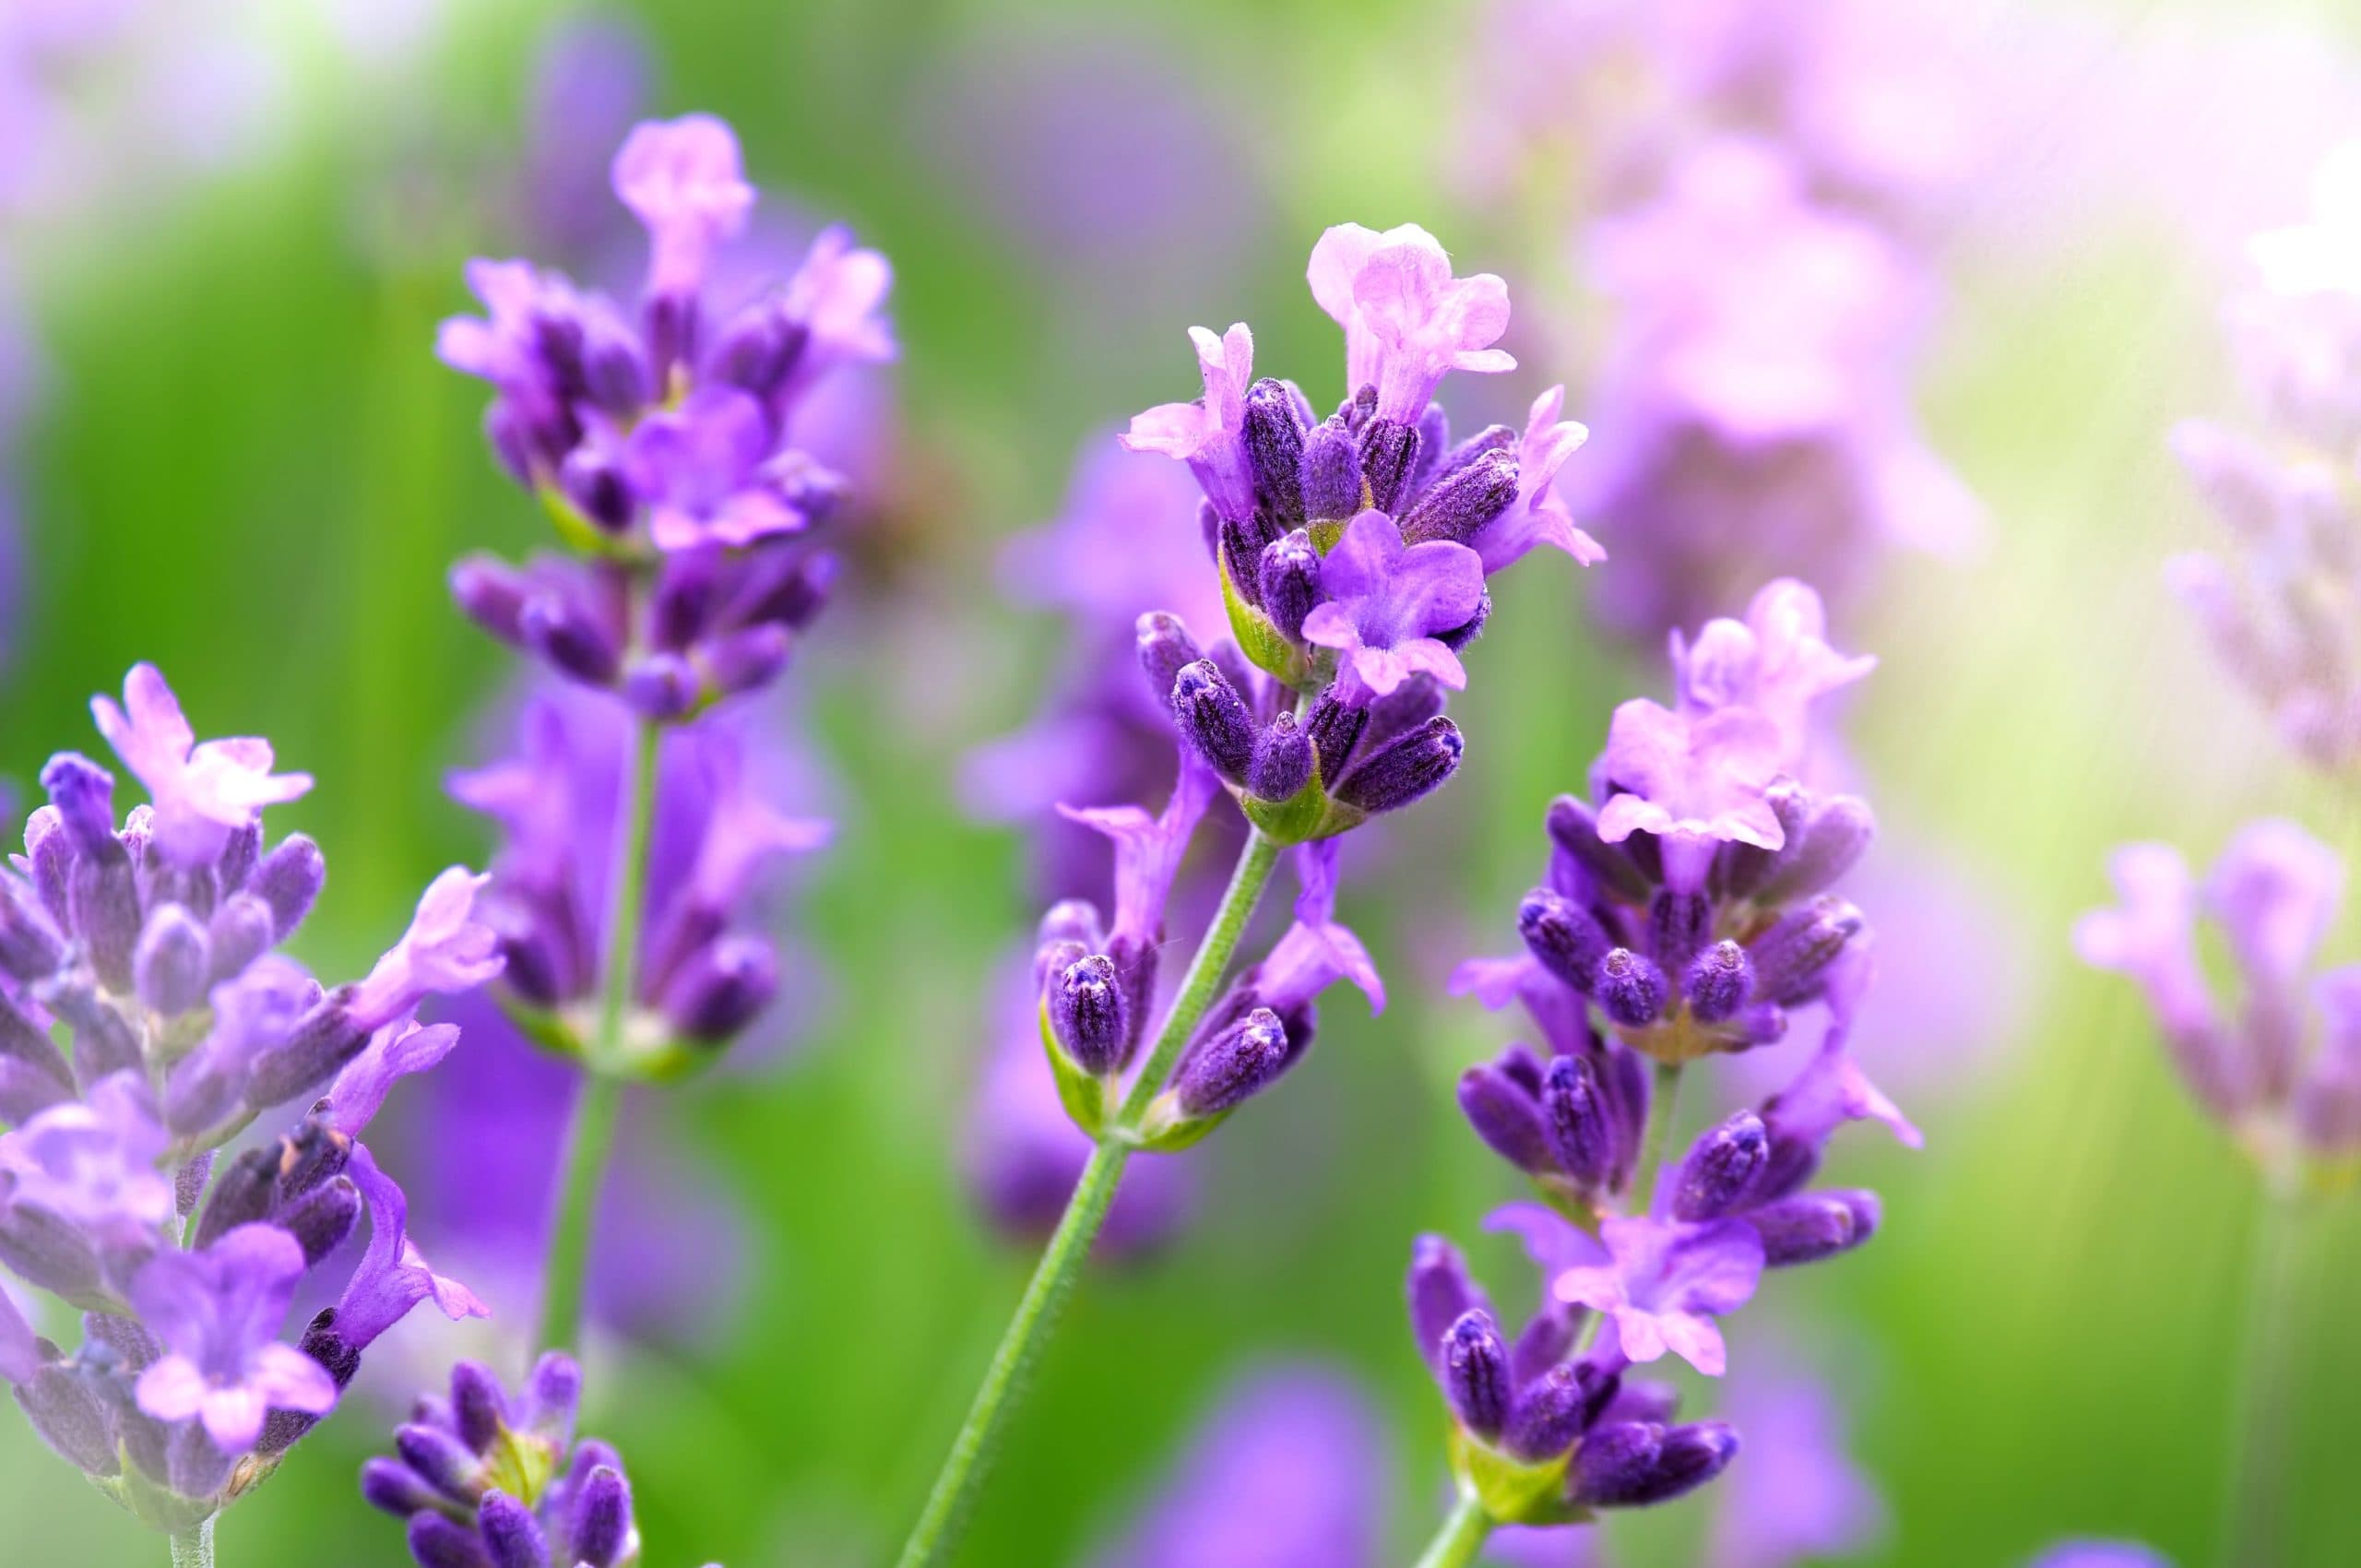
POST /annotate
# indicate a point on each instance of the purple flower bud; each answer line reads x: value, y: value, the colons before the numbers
x: 173, y: 962
x: 595, y: 484
x: 573, y: 641
x: 49, y: 859
x: 71, y: 1418
x: 749, y: 657
x: 1635, y: 1462
x: 1677, y: 926
x: 1335, y: 725
x: 722, y: 989
x: 1332, y: 473
x: 1630, y: 989
x: 1463, y: 503
x: 478, y: 1408
x: 1434, y: 447
x: 1506, y: 1117
x: 1275, y: 450
x: 1826, y: 847
x: 1718, y: 983
x: 511, y: 1534
x: 1722, y: 1170
x: 662, y: 686
x: 1552, y: 1413
x: 322, y: 1040
x: 1086, y: 1015
x: 47, y: 1251
x: 1233, y: 1067
x: 1289, y: 582
x: 243, y: 929
x: 105, y: 1042
x: 1282, y: 763
x: 1213, y: 718
x: 32, y: 947
x: 1576, y: 1119
x: 440, y: 1460
x: 687, y: 590
x: 390, y: 1485
x: 1389, y: 451
x: 1791, y: 958
x: 1165, y: 647
x: 1491, y: 438
x: 1812, y: 1226
x: 1071, y: 919
x: 790, y: 587
x: 1573, y: 827
x: 1441, y: 1291
x: 321, y: 1218
x: 1739, y: 868
x: 599, y: 1526
x: 290, y: 880
x: 1475, y: 1374
x: 436, y: 1542
x: 1563, y: 937
x: 1402, y: 711
x: 241, y: 1194
x: 106, y: 914
x: 1409, y: 769
x: 553, y: 1396
x: 83, y: 794
x: 491, y: 593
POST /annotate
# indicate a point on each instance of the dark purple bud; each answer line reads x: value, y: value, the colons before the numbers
x: 1434, y: 445
x: 173, y: 962
x: 441, y: 1460
x: 791, y: 588
x: 106, y: 914
x: 722, y: 989
x: 1546, y: 1338
x: 1463, y: 503
x: 1289, y: 582
x: 1739, y: 868
x: 322, y: 1217
x: 1441, y: 1291
x: 1635, y: 1462
x: 1475, y: 1374
x: 1086, y: 1015
x: 1213, y: 718
x: 1335, y: 725
x: 1791, y: 958
x: 491, y: 593
x: 30, y: 1048
x: 47, y: 1251
x: 748, y: 658
x: 83, y: 794
x: 1165, y: 648
x: 1574, y: 1119
x: 1412, y: 767
x: 49, y: 860
x: 510, y: 1532
x: 436, y: 1542
x: 571, y: 640
x: 289, y: 879
x: 1718, y: 983
x: 1763, y: 1023
x: 1553, y: 1411
x: 1052, y: 959
x: 1523, y: 1067
x: 1402, y: 711
x: 1389, y: 451
x: 311, y: 1154
x: 1459, y: 637
x: 753, y: 352
x: 1812, y: 1226
x: 71, y: 1418
x: 1506, y: 1117
x: 600, y: 1522
x: 1828, y: 846
x: 322, y: 1040
x: 662, y: 686
x: 1573, y: 827
x: 594, y: 483
x: 1233, y: 1067
x: 394, y: 1487
x: 1209, y: 529
x: 479, y: 1409
x: 1491, y: 438
x: 1630, y: 989
x: 1722, y: 1170
x: 1282, y: 763
x: 1563, y: 937
x: 1274, y: 439
x: 688, y: 591
x: 552, y: 1394
x: 1678, y: 924
x: 242, y: 930
x: 1332, y: 473
x: 32, y: 947
x: 1356, y: 409
x: 241, y: 1194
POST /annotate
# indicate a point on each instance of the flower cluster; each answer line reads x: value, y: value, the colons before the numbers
x: 1688, y: 916
x: 1351, y: 553
x: 487, y: 1478
x: 151, y: 944
x: 2281, y: 612
x: 661, y: 444
x: 2281, y: 1069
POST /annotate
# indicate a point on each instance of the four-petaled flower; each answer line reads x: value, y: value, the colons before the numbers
x: 681, y: 179
x: 1661, y: 1284
x: 217, y: 1314
x: 201, y: 793
x: 1407, y: 321
x: 91, y: 1162
x: 1388, y: 603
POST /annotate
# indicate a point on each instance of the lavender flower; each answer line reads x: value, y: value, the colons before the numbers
x: 151, y: 944
x: 661, y: 447
x: 2281, y: 1071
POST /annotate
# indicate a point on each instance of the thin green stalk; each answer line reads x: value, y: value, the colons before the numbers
x: 591, y: 1134
x: 193, y: 1547
x: 1652, y: 1137
x: 1462, y: 1537
x: 937, y: 1532
x: 2257, y: 1515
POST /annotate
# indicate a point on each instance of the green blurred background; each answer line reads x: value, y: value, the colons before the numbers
x: 246, y: 465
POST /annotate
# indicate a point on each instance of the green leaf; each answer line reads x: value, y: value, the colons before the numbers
x: 1084, y: 1097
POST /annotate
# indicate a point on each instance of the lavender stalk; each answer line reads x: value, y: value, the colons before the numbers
x: 1465, y: 1530
x: 193, y: 1547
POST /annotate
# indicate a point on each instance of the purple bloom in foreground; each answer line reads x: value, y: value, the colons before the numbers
x: 1388, y: 603
x: 217, y: 1313
x: 1208, y: 435
x: 202, y: 793
x: 1661, y: 1286
x: 1406, y: 320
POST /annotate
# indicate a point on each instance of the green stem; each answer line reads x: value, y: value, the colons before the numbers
x: 2257, y: 1515
x: 193, y: 1547
x: 936, y: 1535
x: 1652, y: 1137
x: 592, y: 1132
x: 1462, y: 1537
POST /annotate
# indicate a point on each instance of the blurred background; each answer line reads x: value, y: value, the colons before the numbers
x: 231, y: 227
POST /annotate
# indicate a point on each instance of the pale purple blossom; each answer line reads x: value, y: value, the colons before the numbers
x: 393, y: 1276
x: 1540, y: 515
x: 202, y: 792
x: 1207, y: 433
x: 1148, y: 849
x: 395, y: 1051
x: 1407, y: 321
x: 1662, y: 1284
x: 91, y: 1162
x: 683, y: 179
x: 448, y: 948
x: 217, y: 1313
x: 1390, y: 600
x: 1316, y: 949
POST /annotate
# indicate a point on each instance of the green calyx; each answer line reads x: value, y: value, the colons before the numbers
x: 1513, y: 1491
x: 1083, y: 1095
x: 1168, y: 1129
x: 1260, y: 639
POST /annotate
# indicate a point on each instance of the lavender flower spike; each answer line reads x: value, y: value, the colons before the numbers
x: 203, y: 792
